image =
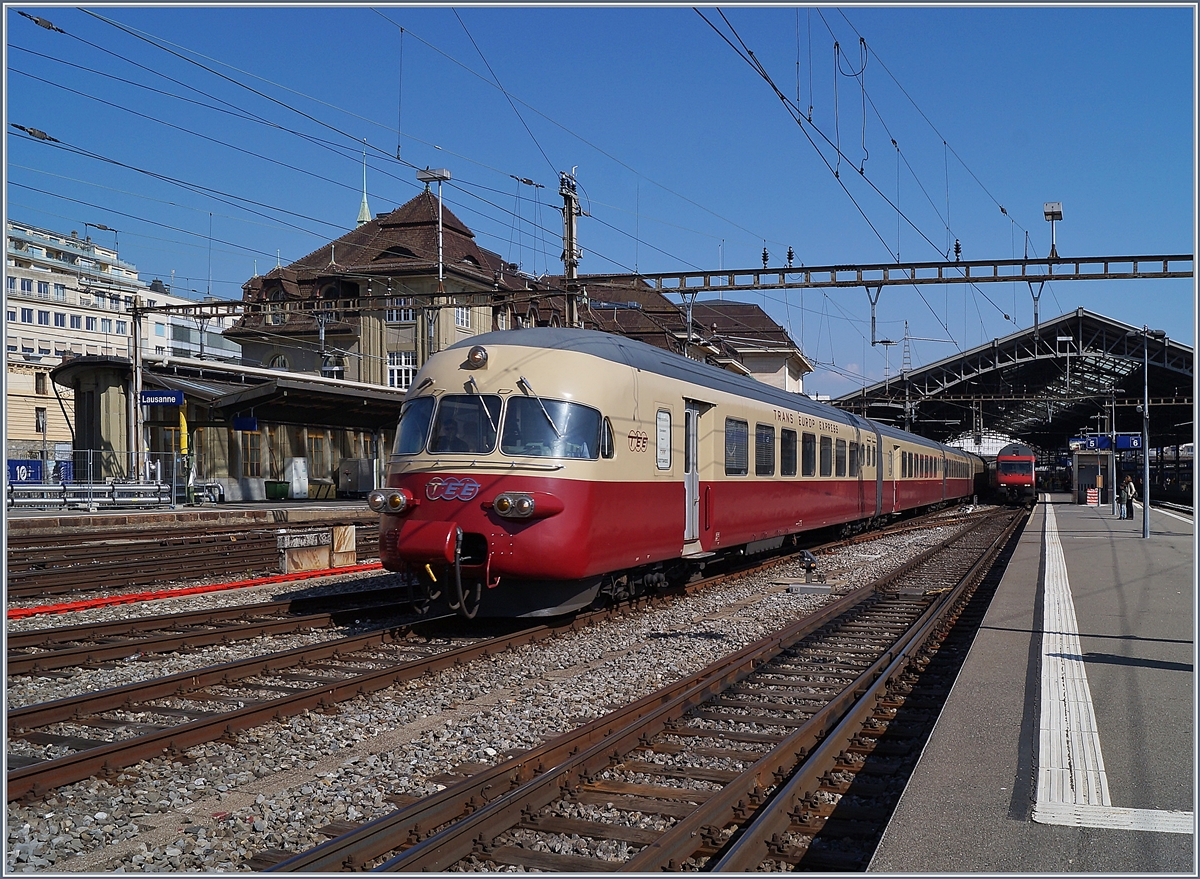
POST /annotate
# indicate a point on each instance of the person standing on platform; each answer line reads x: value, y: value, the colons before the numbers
x: 1128, y: 493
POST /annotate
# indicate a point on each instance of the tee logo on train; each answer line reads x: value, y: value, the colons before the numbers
x: 639, y: 441
x: 451, y: 489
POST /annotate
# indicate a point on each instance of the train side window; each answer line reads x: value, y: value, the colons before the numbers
x: 840, y: 457
x: 608, y: 448
x: 904, y: 456
x: 662, y: 444
x: 787, y: 452
x: 764, y: 450
x: 826, y: 456
x: 808, y: 455
x: 854, y: 462
x: 737, y: 451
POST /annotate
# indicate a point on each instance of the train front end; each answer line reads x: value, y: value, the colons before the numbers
x: 487, y: 490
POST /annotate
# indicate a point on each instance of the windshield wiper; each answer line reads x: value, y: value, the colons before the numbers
x: 486, y: 411
x: 528, y: 387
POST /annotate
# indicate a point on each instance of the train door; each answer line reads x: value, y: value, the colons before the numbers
x: 691, y: 470
x: 893, y: 461
x: 877, y: 460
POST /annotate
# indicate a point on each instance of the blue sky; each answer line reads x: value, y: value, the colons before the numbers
x: 686, y: 158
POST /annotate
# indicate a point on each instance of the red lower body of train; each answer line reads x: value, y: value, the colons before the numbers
x: 589, y: 538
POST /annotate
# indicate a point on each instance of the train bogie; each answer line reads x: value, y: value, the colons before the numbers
x: 537, y: 469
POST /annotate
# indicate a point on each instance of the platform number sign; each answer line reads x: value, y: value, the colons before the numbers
x: 27, y: 470
x: 1135, y: 442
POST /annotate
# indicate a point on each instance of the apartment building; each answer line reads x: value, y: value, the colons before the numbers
x: 67, y: 296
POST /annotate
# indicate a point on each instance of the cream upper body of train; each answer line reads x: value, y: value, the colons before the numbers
x: 534, y: 470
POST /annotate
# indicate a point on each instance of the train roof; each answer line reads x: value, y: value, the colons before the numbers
x: 1016, y: 450
x: 639, y: 355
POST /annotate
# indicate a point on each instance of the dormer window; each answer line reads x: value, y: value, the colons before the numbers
x: 397, y: 251
x: 471, y: 261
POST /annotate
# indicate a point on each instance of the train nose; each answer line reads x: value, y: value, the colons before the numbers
x: 423, y: 542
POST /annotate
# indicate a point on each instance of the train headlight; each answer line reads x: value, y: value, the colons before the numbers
x: 477, y: 357
x: 390, y: 500
x: 514, y: 505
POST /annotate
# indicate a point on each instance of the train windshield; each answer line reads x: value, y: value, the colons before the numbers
x: 414, y: 426
x: 465, y: 424
x: 559, y: 430
x: 1015, y: 468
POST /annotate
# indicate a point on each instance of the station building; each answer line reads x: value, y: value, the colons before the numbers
x: 330, y: 343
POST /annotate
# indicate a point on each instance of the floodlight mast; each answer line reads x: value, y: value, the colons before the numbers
x: 1053, y: 212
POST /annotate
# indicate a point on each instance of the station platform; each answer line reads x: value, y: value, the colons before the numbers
x: 1068, y: 741
x: 28, y: 521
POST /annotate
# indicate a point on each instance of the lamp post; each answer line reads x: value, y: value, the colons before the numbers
x: 428, y: 176
x: 1052, y: 211
x: 1112, y: 445
x: 1147, y: 334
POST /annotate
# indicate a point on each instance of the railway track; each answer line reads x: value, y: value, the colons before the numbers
x: 132, y: 557
x: 738, y: 766
x: 56, y: 743
x: 36, y: 651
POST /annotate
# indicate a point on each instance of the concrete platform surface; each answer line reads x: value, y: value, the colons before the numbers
x: 1068, y: 741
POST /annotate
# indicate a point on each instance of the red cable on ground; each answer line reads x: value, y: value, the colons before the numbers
x: 19, y: 613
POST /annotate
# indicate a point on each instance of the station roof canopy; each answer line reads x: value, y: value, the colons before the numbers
x: 1043, y: 385
x: 230, y: 391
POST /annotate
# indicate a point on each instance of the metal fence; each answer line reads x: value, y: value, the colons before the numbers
x: 91, y: 479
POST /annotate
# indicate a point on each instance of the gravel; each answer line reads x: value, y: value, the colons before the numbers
x: 278, y: 784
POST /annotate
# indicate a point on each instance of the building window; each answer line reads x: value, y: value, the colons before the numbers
x: 251, y: 458
x: 502, y: 318
x: 122, y: 327
x: 402, y: 366
x: 60, y: 319
x: 91, y: 324
x: 160, y: 329
x: 279, y: 361
x: 462, y: 317
x: 76, y: 322
x: 60, y: 292
x: 39, y: 383
x: 315, y: 444
x: 400, y: 311
x: 39, y: 419
x: 106, y: 325
x: 12, y: 284
x: 43, y: 347
x: 27, y: 285
x: 43, y: 318
x: 114, y: 303
x: 44, y: 289
x: 26, y: 315
x: 12, y: 313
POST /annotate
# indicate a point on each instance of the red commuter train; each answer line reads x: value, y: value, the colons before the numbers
x: 537, y: 470
x: 1013, y: 475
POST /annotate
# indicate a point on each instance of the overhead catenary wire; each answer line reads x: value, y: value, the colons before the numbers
x: 164, y: 45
